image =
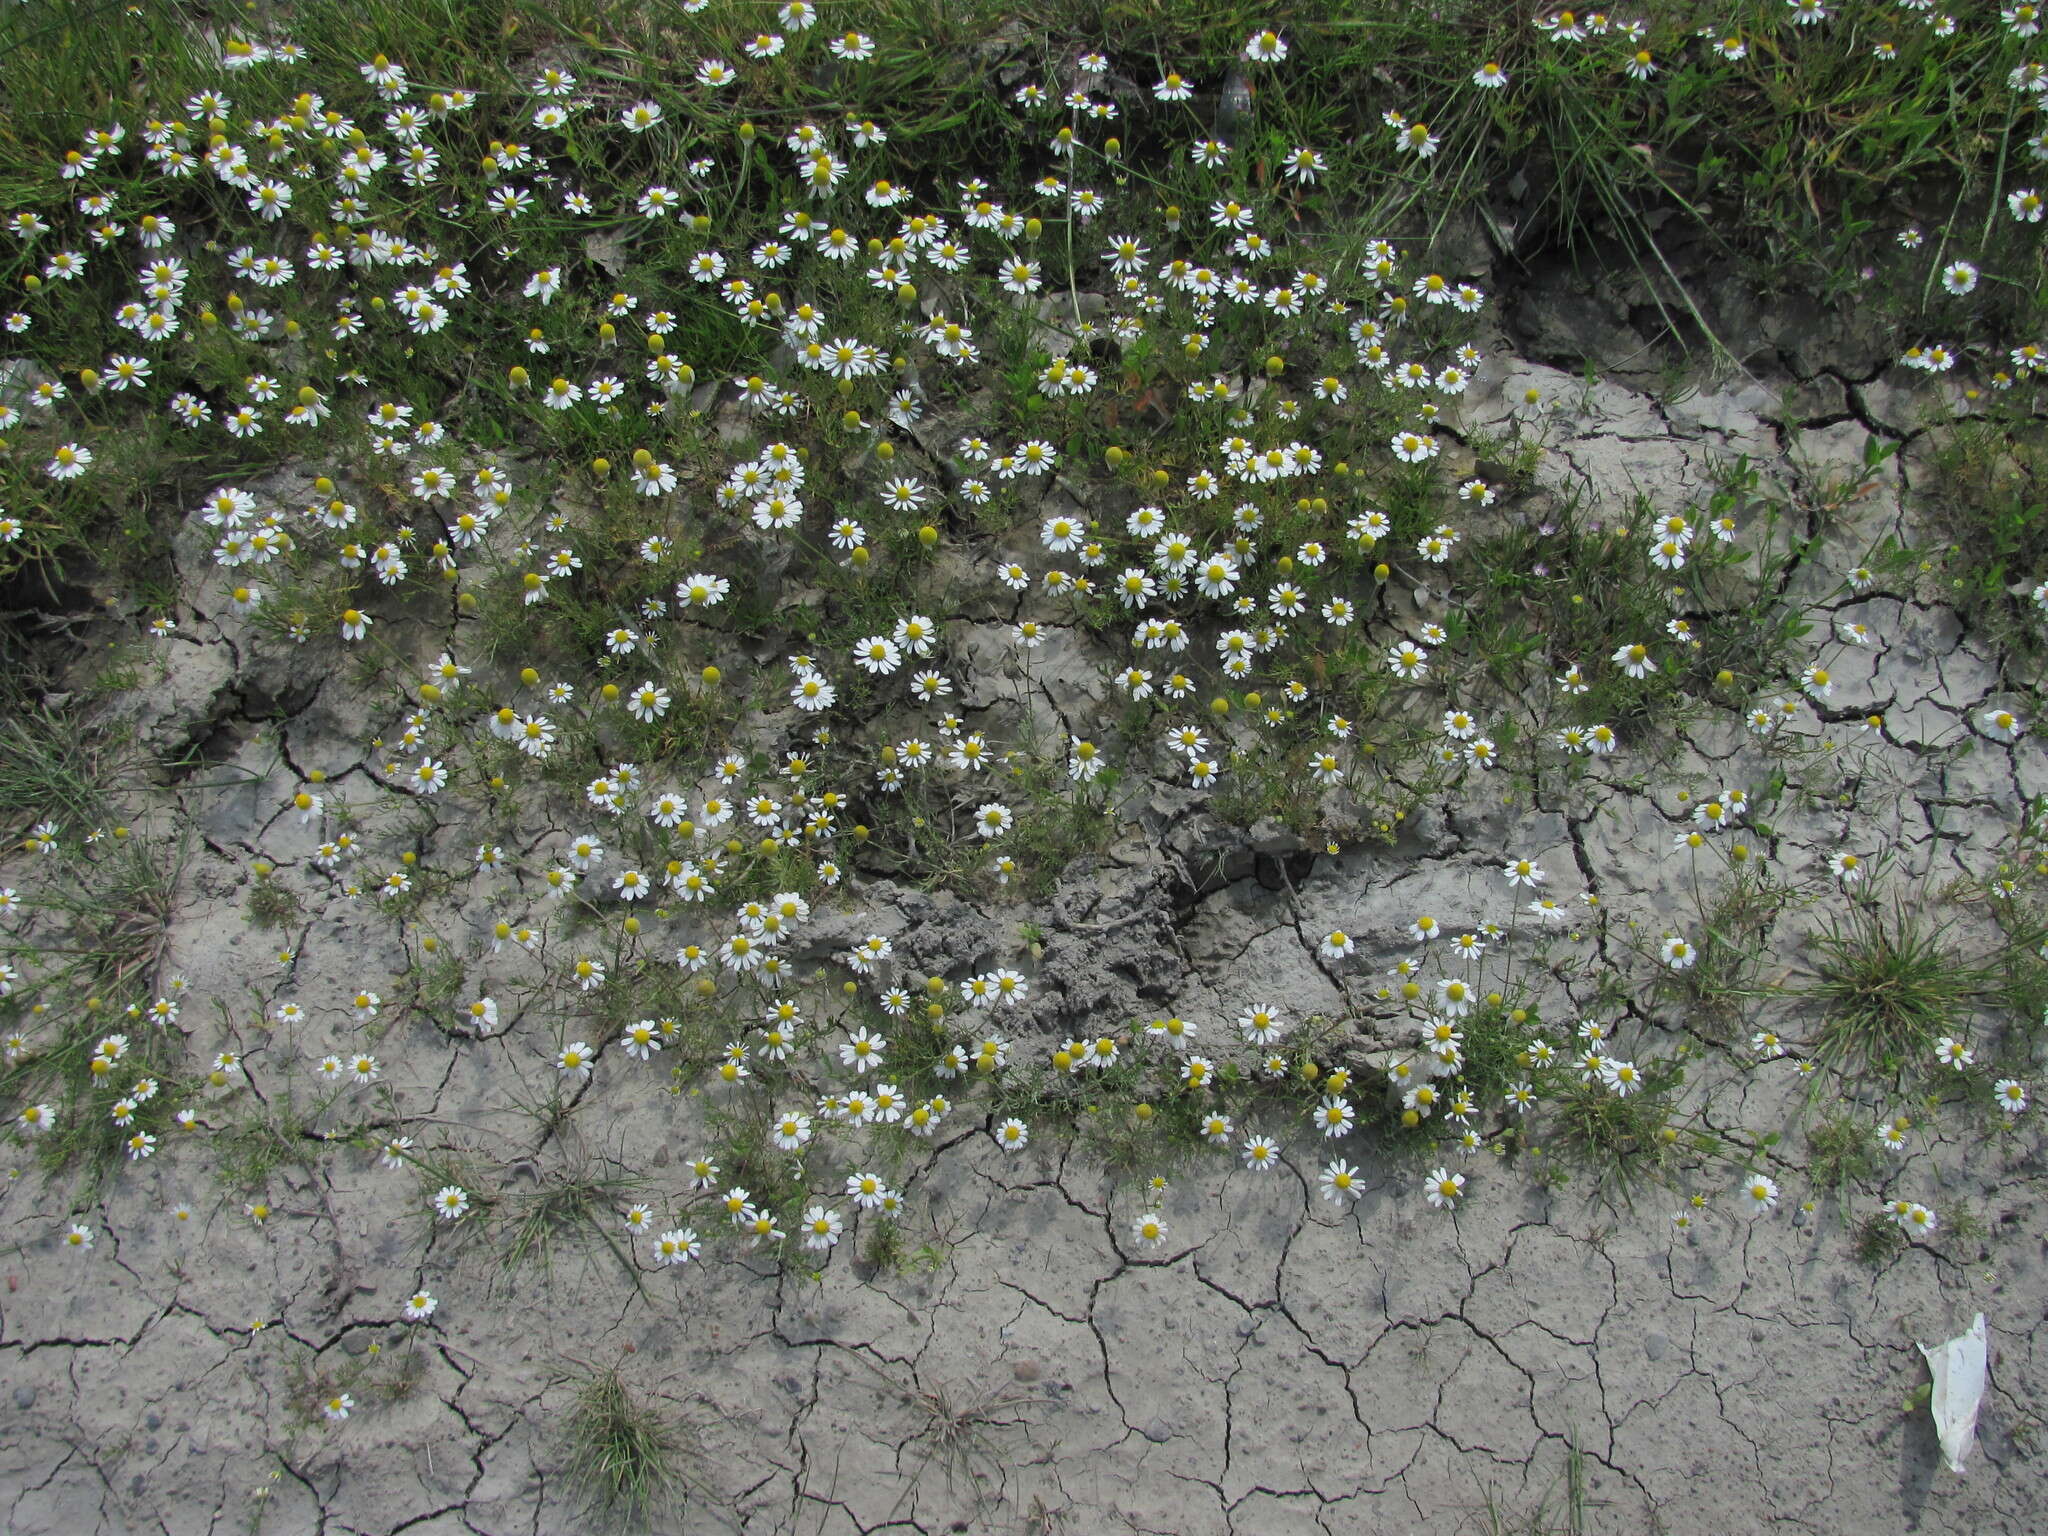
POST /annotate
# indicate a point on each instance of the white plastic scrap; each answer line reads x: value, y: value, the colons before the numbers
x: 1959, y: 1376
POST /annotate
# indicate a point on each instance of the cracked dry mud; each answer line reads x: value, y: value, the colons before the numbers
x: 1280, y: 1366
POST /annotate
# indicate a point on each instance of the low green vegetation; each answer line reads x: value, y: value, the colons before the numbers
x: 780, y: 511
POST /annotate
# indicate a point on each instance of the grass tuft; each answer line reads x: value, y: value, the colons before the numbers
x: 1891, y: 988
x: 51, y: 769
x: 625, y: 1453
x: 558, y: 1207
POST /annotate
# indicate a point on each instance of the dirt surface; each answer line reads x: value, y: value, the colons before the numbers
x: 1279, y: 1365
